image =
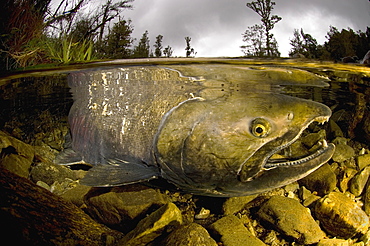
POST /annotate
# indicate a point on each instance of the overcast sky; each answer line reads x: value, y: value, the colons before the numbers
x: 215, y: 26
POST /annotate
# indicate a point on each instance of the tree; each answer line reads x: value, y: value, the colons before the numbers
x: 108, y: 12
x: 346, y: 43
x: 158, y: 46
x: 142, y: 50
x: 118, y: 42
x: 62, y: 21
x: 305, y: 44
x: 255, y: 39
x: 264, y: 8
x: 189, y: 49
x: 82, y: 30
x: 256, y: 42
x: 168, y: 51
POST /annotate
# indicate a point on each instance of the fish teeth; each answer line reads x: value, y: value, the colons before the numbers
x: 322, y: 119
x: 324, y: 143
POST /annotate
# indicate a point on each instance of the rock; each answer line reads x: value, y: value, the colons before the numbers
x: 363, y: 160
x: 366, y: 198
x: 366, y: 238
x: 291, y: 218
x: 122, y: 207
x: 49, y: 173
x: 346, y: 176
x: 359, y: 181
x: 151, y: 227
x: 340, y: 216
x: 333, y: 242
x: 334, y: 130
x: 203, y: 214
x: 76, y: 195
x: 16, y: 156
x: 233, y: 205
x: 307, y: 197
x: 343, y: 152
x: 323, y: 180
x: 190, y: 235
x: 312, y: 138
x: 45, y: 152
x: 36, y: 216
x: 232, y: 232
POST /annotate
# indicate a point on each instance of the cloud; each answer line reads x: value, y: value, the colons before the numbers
x: 215, y: 26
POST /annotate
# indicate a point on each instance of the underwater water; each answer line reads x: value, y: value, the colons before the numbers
x: 35, y: 106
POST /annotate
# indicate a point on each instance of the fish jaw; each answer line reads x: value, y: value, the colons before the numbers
x: 259, y: 163
x: 274, y: 177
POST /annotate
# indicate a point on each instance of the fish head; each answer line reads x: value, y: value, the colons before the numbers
x: 223, y: 147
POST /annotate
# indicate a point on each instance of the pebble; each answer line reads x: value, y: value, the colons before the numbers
x: 363, y: 160
x: 76, y: 195
x: 347, y: 174
x: 291, y: 218
x: 312, y: 138
x: 359, y: 181
x: 334, y: 130
x: 192, y: 234
x: 366, y: 238
x: 366, y: 198
x: 232, y: 232
x: 122, y: 207
x: 233, y: 205
x: 203, y: 214
x: 323, y: 180
x: 340, y: 216
x: 343, y: 152
x: 333, y: 242
x: 166, y: 218
x: 49, y: 173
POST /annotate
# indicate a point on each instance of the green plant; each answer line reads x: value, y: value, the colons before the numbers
x: 64, y: 50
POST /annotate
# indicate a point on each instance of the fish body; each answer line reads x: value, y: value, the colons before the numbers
x: 207, y: 137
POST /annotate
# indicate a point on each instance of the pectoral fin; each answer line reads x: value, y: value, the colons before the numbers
x: 69, y: 157
x: 119, y: 172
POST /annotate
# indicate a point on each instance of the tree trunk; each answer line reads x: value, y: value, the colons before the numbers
x: 31, y: 215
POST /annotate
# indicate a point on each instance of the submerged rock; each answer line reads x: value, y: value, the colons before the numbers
x: 343, y: 152
x: 232, y: 232
x: 346, y: 176
x: 122, y: 207
x: 233, y: 205
x: 334, y: 130
x: 50, y: 173
x: 291, y: 218
x: 323, y: 180
x: 363, y: 160
x: 333, y: 242
x: 15, y: 155
x: 165, y: 218
x: 359, y: 181
x: 76, y: 195
x: 340, y: 216
x: 192, y: 234
x: 366, y: 199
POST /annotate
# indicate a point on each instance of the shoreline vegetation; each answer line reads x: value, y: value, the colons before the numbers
x: 33, y: 33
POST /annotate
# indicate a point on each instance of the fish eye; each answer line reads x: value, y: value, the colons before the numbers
x: 260, y: 128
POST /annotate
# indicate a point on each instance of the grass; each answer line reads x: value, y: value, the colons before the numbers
x: 65, y: 51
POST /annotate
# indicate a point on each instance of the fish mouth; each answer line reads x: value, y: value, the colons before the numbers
x: 288, y: 168
x: 319, y: 148
x: 278, y: 162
